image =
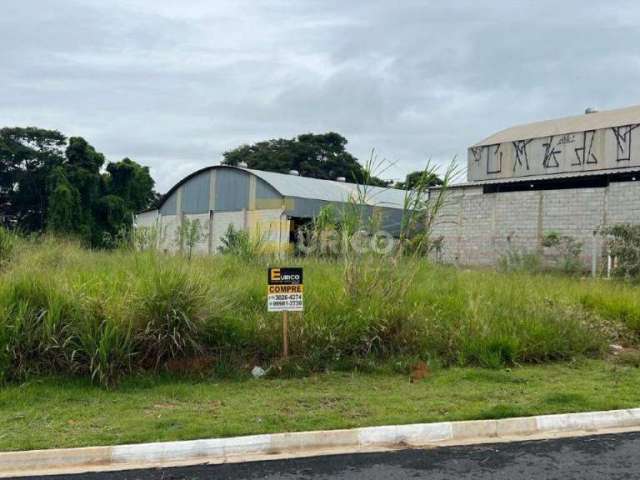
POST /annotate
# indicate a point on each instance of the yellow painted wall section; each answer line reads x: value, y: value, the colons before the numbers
x: 272, y: 227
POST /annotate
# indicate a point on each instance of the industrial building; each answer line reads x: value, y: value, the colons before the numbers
x: 265, y: 204
x: 572, y: 176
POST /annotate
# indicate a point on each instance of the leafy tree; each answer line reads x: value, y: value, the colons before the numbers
x: 190, y: 233
x: 112, y: 220
x: 414, y: 179
x: 47, y: 182
x: 317, y: 156
x: 131, y: 182
x: 128, y: 189
x: 28, y: 156
x: 107, y: 200
x: 623, y: 244
x: 64, y: 204
x: 82, y: 170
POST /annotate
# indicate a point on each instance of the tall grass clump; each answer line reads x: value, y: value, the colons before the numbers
x: 37, y: 328
x: 171, y: 313
x: 624, y: 306
x: 8, y: 241
x: 101, y: 314
x: 103, y: 349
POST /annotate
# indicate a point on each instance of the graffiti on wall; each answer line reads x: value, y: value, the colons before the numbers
x: 551, y: 153
x: 584, y: 154
x: 476, y: 153
x: 586, y: 150
x: 522, y: 158
x: 623, y: 141
x: 494, y: 159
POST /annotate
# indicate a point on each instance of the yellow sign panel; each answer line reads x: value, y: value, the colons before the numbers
x: 273, y: 289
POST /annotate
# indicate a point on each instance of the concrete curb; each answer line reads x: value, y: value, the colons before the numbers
x: 281, y: 445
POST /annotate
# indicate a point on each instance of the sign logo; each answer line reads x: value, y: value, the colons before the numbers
x: 285, y: 290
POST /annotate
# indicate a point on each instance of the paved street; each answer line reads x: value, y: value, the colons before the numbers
x: 596, y: 457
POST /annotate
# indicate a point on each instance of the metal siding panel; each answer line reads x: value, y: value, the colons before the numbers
x: 212, y: 190
x: 169, y: 206
x: 306, y: 208
x: 195, y: 194
x: 392, y: 220
x: 265, y: 191
x: 232, y: 190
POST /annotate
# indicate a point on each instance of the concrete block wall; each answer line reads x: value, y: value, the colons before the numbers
x: 577, y: 213
x: 271, y: 225
x: 623, y: 203
x: 478, y: 228
x: 220, y: 222
x: 169, y: 226
x: 516, y: 222
x: 202, y: 246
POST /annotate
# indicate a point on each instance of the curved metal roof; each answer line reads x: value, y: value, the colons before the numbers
x: 330, y: 190
x: 561, y: 126
x: 314, y: 188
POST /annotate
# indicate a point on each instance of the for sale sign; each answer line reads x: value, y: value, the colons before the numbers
x: 285, y: 290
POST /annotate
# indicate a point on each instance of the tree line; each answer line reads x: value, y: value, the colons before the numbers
x: 49, y: 182
x: 317, y: 156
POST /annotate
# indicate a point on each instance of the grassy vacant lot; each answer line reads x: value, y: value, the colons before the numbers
x: 58, y: 412
x: 118, y: 347
x: 106, y: 315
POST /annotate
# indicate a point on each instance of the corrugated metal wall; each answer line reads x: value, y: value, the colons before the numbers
x: 169, y: 207
x: 195, y: 194
x: 231, y: 190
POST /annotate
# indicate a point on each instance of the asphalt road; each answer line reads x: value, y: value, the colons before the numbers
x: 596, y: 457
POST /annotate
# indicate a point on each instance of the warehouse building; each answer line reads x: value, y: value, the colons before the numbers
x: 572, y: 176
x: 265, y: 204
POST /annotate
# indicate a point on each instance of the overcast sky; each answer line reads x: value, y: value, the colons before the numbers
x: 173, y: 84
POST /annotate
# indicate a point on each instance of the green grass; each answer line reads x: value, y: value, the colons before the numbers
x: 58, y: 412
x: 65, y: 310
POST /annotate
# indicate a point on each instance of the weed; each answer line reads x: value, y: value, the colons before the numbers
x: 104, y: 315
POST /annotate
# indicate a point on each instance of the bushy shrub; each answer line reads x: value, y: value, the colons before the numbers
x: 240, y: 244
x: 519, y: 260
x: 624, y: 246
x: 565, y: 252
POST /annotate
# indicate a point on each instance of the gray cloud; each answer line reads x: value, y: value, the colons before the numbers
x: 174, y: 84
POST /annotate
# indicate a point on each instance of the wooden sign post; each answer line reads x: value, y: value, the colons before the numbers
x: 285, y: 334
